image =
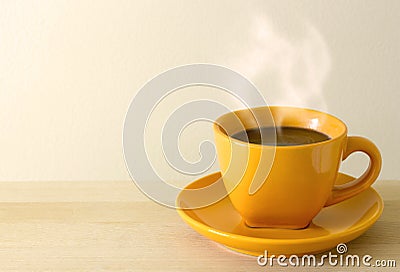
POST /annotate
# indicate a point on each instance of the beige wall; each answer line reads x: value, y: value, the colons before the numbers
x: 68, y: 70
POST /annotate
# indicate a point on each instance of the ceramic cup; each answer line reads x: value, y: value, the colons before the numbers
x: 286, y: 186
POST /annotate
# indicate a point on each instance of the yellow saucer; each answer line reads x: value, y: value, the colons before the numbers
x: 339, y: 223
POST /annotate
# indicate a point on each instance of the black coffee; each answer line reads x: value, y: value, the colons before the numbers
x: 285, y: 136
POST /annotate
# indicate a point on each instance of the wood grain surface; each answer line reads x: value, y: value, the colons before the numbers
x: 111, y: 226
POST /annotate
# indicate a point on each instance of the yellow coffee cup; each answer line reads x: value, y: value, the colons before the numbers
x: 286, y: 186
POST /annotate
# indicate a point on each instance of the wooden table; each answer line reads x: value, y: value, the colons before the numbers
x: 111, y: 226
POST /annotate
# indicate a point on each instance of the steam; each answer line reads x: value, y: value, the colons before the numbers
x: 287, y: 71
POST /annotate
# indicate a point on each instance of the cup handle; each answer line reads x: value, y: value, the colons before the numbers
x: 347, y: 190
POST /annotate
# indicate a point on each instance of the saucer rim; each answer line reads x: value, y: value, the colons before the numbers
x: 278, y: 241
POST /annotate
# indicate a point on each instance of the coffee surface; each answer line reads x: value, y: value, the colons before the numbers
x: 285, y: 136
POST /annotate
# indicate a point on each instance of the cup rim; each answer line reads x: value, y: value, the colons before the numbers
x: 217, y: 129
